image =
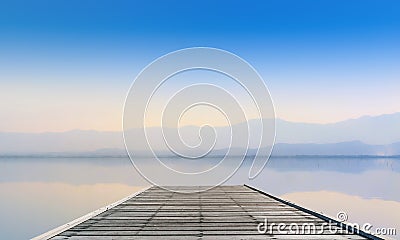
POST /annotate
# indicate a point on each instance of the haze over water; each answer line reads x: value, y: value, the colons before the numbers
x: 39, y: 193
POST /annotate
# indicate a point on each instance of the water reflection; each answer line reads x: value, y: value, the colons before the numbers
x: 31, y: 208
x: 377, y: 212
x: 38, y: 194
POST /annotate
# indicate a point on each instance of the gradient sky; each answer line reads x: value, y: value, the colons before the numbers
x: 68, y: 64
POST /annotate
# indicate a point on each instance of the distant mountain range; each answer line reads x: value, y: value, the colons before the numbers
x: 383, y: 129
x: 378, y: 135
x: 354, y: 148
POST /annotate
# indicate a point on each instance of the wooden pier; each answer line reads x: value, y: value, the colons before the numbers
x: 224, y: 212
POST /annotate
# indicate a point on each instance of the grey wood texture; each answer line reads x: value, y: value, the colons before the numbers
x: 224, y: 212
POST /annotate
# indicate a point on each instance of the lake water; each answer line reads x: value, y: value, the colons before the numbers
x: 38, y: 194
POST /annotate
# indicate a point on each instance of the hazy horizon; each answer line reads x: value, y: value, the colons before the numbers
x: 197, y: 125
x: 362, y: 136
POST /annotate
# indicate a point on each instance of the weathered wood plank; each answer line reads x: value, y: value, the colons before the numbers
x: 224, y: 212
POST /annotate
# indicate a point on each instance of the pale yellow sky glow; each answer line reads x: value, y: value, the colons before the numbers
x: 55, y: 107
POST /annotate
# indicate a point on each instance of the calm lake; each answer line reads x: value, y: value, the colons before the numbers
x: 41, y: 193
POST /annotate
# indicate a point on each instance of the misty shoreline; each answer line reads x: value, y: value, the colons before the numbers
x: 57, y: 155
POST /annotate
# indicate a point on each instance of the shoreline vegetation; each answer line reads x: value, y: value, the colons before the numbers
x: 351, y: 149
x: 71, y: 155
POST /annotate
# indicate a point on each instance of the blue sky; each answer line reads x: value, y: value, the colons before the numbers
x: 68, y: 64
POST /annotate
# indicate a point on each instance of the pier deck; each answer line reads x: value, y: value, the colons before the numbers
x: 224, y: 212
